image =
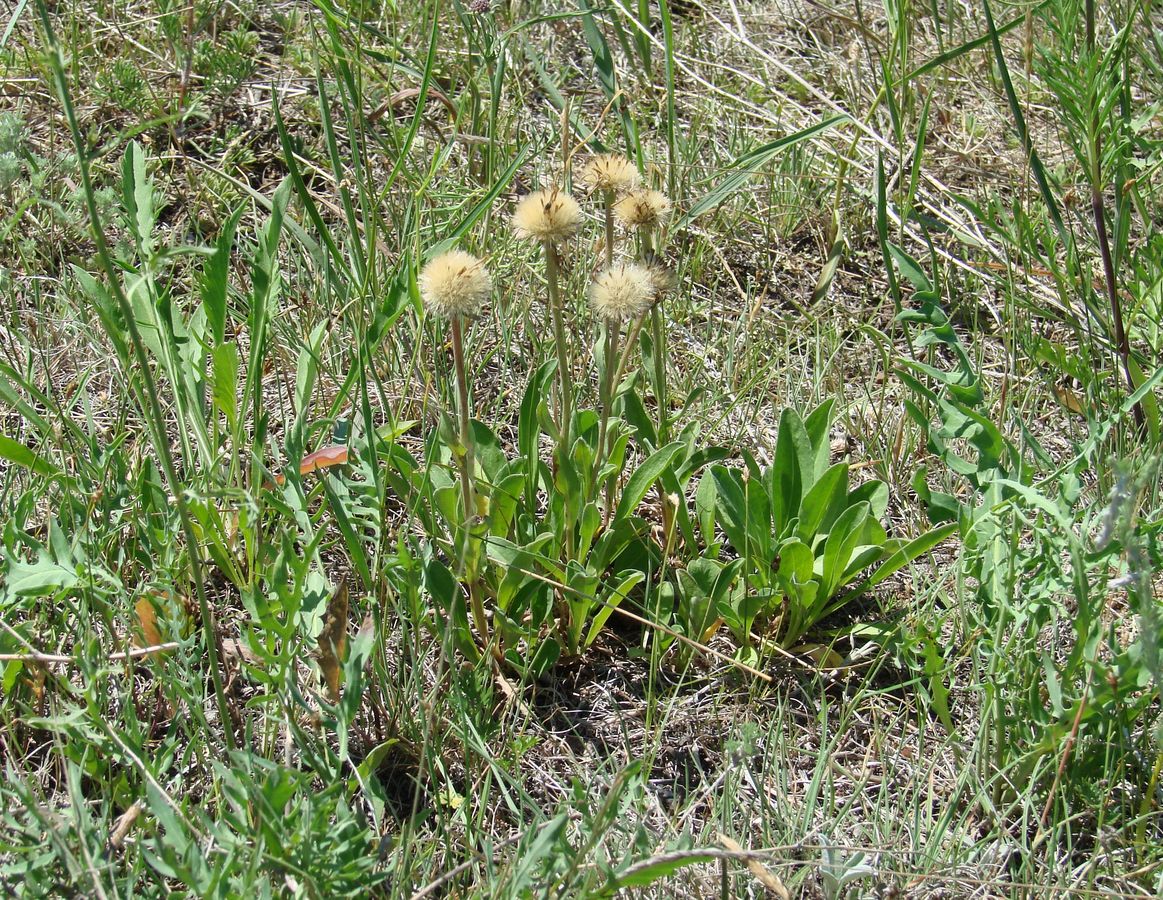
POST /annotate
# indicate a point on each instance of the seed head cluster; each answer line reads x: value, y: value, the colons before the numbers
x: 548, y: 215
x: 610, y: 173
x: 622, y: 292
x: 643, y: 209
x: 455, y: 284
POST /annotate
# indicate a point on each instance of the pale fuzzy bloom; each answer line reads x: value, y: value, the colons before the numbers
x: 643, y: 209
x: 455, y: 284
x: 610, y: 173
x: 622, y: 292
x: 547, y: 215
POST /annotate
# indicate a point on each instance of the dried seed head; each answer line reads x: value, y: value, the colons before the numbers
x: 643, y: 209
x: 547, y: 215
x: 455, y: 284
x: 609, y: 173
x: 621, y: 292
x: 662, y: 278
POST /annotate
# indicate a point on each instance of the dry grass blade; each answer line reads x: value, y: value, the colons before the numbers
x: 773, y: 885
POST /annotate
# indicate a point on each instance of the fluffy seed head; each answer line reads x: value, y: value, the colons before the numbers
x: 609, y: 173
x: 547, y: 215
x: 455, y: 284
x: 621, y: 292
x: 643, y: 209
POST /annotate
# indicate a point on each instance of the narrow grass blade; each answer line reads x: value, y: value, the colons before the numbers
x: 745, y: 167
x: 1023, y: 131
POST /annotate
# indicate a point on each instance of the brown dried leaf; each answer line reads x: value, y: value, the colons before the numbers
x: 1070, y: 399
x: 333, y: 641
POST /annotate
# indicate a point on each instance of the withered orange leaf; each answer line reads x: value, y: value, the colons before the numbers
x: 323, y: 458
x: 333, y: 641
x: 148, y: 634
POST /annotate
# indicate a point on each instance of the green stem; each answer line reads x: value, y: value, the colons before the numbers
x: 658, y: 339
x: 612, y: 329
x: 465, y: 457
x: 608, y: 197
x: 628, y: 349
x: 565, y: 382
x: 564, y: 370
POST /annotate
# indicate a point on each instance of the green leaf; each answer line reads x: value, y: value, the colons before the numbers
x: 823, y: 503
x: 791, y: 470
x: 528, y: 429
x: 817, y: 425
x: 53, y: 569
x: 911, y: 269
x: 644, y: 477
x: 215, y: 278
x: 138, y: 196
x: 706, y: 501
x: 914, y: 549
x: 839, y: 547
x: 874, y: 493
x: 610, y: 602
x: 645, y: 873
x: 503, y: 503
x: 225, y: 381
x: 731, y: 504
x: 17, y: 454
x: 528, y: 868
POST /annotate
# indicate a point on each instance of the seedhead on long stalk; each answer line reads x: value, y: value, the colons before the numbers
x: 551, y: 216
x: 644, y: 209
x: 610, y: 175
x: 454, y: 286
x: 618, y: 294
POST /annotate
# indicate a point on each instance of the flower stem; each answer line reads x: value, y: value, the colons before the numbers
x: 612, y: 329
x: 628, y: 349
x: 564, y: 370
x: 565, y: 381
x: 608, y: 197
x: 465, y: 457
x: 658, y: 339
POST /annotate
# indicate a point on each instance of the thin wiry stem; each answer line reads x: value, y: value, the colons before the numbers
x: 1098, y: 210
